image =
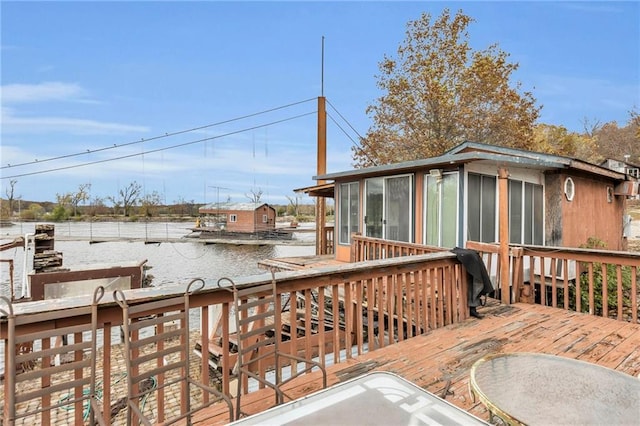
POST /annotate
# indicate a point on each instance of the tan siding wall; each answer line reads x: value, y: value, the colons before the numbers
x: 589, y: 214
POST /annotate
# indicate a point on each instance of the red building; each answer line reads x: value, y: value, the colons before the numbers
x: 238, y: 217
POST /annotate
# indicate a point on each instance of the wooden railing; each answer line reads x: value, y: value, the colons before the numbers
x: 367, y: 248
x: 598, y: 282
x: 329, y: 235
x: 332, y: 313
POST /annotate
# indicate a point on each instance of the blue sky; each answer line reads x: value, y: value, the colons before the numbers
x: 78, y: 77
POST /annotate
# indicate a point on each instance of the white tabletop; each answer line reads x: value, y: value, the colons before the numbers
x: 378, y: 398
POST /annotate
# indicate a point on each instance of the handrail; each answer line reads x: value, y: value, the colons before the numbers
x: 599, y: 282
x: 332, y: 313
x: 368, y: 248
x: 594, y: 281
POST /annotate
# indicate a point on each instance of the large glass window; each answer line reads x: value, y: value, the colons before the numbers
x: 441, y: 210
x: 388, y: 208
x: 374, y: 192
x: 533, y: 214
x: 481, y: 208
x: 349, y: 211
x: 526, y: 212
x: 515, y: 211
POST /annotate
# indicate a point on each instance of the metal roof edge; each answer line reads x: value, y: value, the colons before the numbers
x: 481, y: 151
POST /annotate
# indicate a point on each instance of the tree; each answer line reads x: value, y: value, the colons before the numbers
x: 438, y: 92
x: 34, y: 212
x: 294, y: 203
x: 80, y: 197
x: 127, y: 197
x: 60, y: 212
x: 149, y: 203
x: 97, y: 206
x: 619, y: 142
x: 254, y: 195
x: 10, y: 191
x: 557, y: 140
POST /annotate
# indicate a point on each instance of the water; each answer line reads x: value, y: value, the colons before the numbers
x: 172, y: 262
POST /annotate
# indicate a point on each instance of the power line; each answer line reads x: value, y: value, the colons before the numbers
x: 159, y: 149
x: 166, y: 135
x: 356, y: 144
x: 344, y: 119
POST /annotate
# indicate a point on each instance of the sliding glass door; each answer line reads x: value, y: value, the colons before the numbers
x: 388, y: 208
x: 441, y: 210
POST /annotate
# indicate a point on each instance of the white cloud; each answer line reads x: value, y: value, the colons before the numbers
x: 42, y: 92
x: 33, y: 125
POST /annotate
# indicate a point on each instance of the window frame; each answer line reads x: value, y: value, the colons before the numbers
x: 351, y: 227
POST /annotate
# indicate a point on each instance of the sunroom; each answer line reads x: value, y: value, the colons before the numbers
x: 448, y: 200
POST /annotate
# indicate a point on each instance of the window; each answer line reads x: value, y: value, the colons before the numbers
x: 525, y: 213
x: 441, y: 209
x: 526, y: 210
x: 233, y: 218
x: 481, y: 213
x: 569, y: 189
x: 388, y: 208
x: 265, y: 218
x: 349, y: 211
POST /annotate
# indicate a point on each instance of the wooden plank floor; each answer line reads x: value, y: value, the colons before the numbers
x: 440, y: 361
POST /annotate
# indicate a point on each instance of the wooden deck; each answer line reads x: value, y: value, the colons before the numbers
x: 440, y: 361
x: 296, y: 263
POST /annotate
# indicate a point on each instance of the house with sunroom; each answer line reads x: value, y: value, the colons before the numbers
x: 459, y: 196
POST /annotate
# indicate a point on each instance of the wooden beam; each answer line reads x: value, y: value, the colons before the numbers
x: 321, y: 244
x: 503, y: 215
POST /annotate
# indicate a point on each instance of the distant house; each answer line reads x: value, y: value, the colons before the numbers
x: 631, y: 169
x: 239, y: 217
x: 459, y: 196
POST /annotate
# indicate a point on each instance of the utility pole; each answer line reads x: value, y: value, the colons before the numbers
x: 321, y: 204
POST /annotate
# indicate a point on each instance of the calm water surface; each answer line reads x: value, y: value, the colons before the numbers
x: 174, y: 260
x: 171, y: 261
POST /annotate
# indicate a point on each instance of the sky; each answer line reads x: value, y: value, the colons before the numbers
x: 213, y: 101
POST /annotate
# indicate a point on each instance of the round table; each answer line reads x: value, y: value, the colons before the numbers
x: 539, y: 389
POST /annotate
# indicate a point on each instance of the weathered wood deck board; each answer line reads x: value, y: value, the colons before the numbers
x: 440, y: 360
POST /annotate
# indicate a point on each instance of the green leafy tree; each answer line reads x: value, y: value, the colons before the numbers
x: 438, y: 92
x: 61, y: 210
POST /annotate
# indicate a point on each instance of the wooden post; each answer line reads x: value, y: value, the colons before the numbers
x: 321, y: 235
x: 503, y: 217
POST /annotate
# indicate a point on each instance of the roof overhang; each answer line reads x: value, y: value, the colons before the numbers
x: 325, y: 190
x: 475, y: 152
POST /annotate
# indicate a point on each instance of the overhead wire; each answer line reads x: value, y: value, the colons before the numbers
x: 122, y: 157
x: 355, y: 143
x: 166, y: 135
